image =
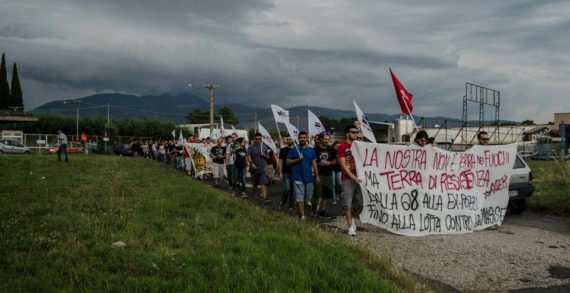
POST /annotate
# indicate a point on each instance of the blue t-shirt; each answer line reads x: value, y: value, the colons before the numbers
x: 302, y: 171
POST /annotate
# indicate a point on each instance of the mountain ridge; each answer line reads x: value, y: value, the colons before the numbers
x: 176, y: 107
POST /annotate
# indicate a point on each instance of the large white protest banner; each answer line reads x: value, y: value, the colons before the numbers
x: 417, y: 191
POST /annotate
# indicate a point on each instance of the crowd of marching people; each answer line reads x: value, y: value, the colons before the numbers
x: 312, y: 174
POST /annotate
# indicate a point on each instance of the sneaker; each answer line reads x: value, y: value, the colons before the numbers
x: 244, y: 195
x: 308, y: 204
x: 267, y: 202
x: 352, y: 230
x: 334, y: 202
x: 303, y: 217
x: 324, y: 215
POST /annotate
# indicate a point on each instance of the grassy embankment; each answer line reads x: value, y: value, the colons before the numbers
x: 58, y: 221
x: 552, y: 181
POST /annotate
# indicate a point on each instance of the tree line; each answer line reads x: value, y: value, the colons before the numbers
x: 11, y: 97
x: 97, y: 125
x: 198, y: 116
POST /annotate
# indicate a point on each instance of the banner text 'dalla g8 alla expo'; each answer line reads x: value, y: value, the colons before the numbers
x: 417, y: 191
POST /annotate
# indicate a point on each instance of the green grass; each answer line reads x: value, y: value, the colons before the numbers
x: 552, y: 192
x: 58, y: 221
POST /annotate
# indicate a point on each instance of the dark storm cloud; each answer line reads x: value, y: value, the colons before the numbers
x: 321, y: 53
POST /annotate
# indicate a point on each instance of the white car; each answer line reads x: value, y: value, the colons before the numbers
x: 521, y: 186
x: 8, y: 146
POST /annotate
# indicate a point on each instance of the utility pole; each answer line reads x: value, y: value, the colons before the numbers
x: 108, y: 123
x: 255, y: 123
x: 108, y: 116
x: 77, y: 123
x: 76, y: 102
x: 212, y: 88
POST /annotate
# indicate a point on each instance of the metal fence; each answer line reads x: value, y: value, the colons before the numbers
x: 41, y: 143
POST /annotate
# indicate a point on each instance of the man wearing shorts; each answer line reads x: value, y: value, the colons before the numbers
x: 257, y: 155
x: 218, y: 154
x: 303, y: 162
x: 351, y: 192
x: 326, y: 160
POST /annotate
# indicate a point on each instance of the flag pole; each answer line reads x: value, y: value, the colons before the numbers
x: 278, y: 132
x: 410, y: 114
x: 294, y: 143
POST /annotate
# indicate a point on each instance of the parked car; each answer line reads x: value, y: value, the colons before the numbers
x: 8, y: 146
x: 546, y: 156
x: 123, y: 149
x: 72, y: 147
x: 521, y: 186
x: 526, y: 154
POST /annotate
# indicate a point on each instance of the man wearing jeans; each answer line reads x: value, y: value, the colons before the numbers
x: 62, y: 142
x: 285, y: 174
x: 351, y: 192
x: 231, y: 145
x: 303, y: 162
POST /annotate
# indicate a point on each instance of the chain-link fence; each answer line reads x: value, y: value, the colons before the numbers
x: 41, y: 143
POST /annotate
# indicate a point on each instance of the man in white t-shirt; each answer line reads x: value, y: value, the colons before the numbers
x: 62, y: 143
x: 230, y: 149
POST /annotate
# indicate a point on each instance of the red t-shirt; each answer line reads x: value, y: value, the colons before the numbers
x: 343, y: 151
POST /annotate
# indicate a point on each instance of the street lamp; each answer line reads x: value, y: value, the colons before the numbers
x: 212, y: 87
x: 76, y: 102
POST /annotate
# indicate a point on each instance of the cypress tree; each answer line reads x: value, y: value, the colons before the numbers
x: 16, y: 99
x: 4, y: 88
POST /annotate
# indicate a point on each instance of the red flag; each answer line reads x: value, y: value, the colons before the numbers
x: 404, y: 97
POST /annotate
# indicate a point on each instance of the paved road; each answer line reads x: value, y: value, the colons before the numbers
x: 528, y: 253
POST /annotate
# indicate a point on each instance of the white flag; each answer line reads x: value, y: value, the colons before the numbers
x: 293, y: 132
x: 222, y: 130
x: 364, y: 125
x: 266, y: 138
x: 181, y: 138
x: 215, y: 133
x: 174, y: 133
x: 316, y: 127
x: 281, y: 115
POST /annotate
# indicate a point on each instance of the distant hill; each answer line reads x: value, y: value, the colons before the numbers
x: 176, y: 107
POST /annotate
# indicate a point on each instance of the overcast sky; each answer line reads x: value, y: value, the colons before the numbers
x: 296, y: 52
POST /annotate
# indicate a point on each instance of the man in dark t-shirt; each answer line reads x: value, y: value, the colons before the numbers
x: 326, y: 160
x: 240, y: 164
x: 285, y: 174
x: 218, y: 154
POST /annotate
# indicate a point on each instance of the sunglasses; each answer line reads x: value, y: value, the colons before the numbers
x: 354, y: 132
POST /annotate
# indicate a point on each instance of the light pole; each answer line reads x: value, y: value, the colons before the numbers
x: 212, y: 87
x: 76, y: 102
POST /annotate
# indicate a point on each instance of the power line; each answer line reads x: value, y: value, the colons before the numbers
x: 135, y: 110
